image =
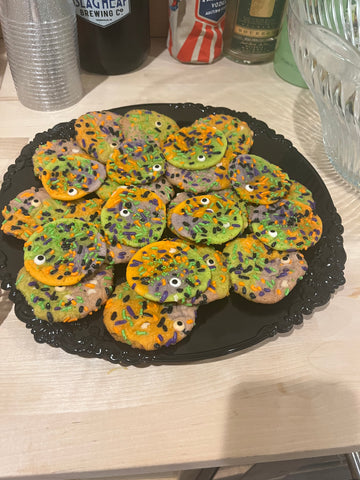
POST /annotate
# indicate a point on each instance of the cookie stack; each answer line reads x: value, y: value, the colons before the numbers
x: 191, y: 211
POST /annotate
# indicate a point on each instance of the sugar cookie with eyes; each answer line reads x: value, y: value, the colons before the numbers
x: 168, y: 271
x: 211, y: 218
x: 195, y: 147
x: 199, y: 181
x: 258, y: 181
x: 133, y: 217
x: 66, y: 303
x: 62, y: 252
x: 260, y: 274
x: 139, y: 124
x: 219, y: 286
x: 71, y: 177
x: 239, y: 136
x: 136, y: 162
x: 144, y: 324
x: 34, y: 207
x: 298, y: 193
x: 55, y: 148
x: 286, y: 225
x: 98, y: 133
x: 160, y: 186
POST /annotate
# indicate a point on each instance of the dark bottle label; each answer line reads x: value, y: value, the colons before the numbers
x: 259, y: 18
x: 210, y: 11
x: 102, y: 13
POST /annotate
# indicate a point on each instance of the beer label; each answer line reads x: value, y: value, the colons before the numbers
x: 210, y: 11
x: 102, y: 12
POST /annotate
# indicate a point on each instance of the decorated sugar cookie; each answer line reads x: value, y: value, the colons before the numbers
x: 98, y: 133
x: 56, y: 148
x: 136, y: 162
x: 195, y: 148
x: 260, y: 274
x: 144, y: 324
x: 209, y: 218
x: 140, y: 124
x: 71, y: 177
x: 240, y: 137
x: 133, y: 217
x: 64, y: 251
x: 219, y: 286
x: 256, y: 180
x: 199, y: 181
x: 34, y: 207
x: 168, y: 271
x: 66, y: 303
x: 286, y: 225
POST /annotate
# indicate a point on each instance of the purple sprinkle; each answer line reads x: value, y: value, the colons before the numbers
x: 120, y: 322
x: 164, y: 297
x: 130, y: 311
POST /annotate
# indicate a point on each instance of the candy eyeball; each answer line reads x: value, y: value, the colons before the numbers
x: 113, y: 144
x: 158, y: 124
x: 40, y: 259
x: 179, y: 326
x: 286, y: 259
x: 35, y: 202
x: 201, y: 158
x: 60, y: 288
x: 272, y: 233
x: 157, y: 167
x: 205, y: 201
x: 72, y: 192
x: 249, y: 188
x: 210, y: 262
x: 125, y: 212
x: 175, y: 282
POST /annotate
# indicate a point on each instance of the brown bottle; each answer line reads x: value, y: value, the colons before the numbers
x: 114, y: 35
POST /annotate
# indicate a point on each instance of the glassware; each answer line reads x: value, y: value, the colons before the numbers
x: 41, y: 43
x: 324, y: 37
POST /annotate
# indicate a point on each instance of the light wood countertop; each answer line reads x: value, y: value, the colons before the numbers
x: 296, y: 395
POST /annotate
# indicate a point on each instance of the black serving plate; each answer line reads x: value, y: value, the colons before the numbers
x: 222, y: 327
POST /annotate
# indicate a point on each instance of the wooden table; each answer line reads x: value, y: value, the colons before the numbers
x: 296, y: 395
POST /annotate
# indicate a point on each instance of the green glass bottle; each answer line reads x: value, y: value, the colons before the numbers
x: 251, y: 29
x: 284, y: 63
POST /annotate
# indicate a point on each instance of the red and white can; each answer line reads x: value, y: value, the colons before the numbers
x: 196, y: 30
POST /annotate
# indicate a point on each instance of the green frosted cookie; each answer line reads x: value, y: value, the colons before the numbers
x: 144, y: 324
x: 239, y: 136
x: 219, y: 286
x: 136, y: 162
x: 71, y: 177
x: 256, y: 180
x: 286, y: 225
x: 98, y: 133
x: 168, y: 271
x: 34, y: 207
x: 64, y: 251
x: 260, y: 274
x: 139, y: 124
x: 66, y: 303
x: 133, y: 217
x: 55, y: 148
x: 210, y: 218
x: 195, y: 147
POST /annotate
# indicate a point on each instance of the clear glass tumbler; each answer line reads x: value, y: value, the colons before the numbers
x: 324, y: 37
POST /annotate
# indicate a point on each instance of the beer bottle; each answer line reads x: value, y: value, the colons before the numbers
x: 114, y: 35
